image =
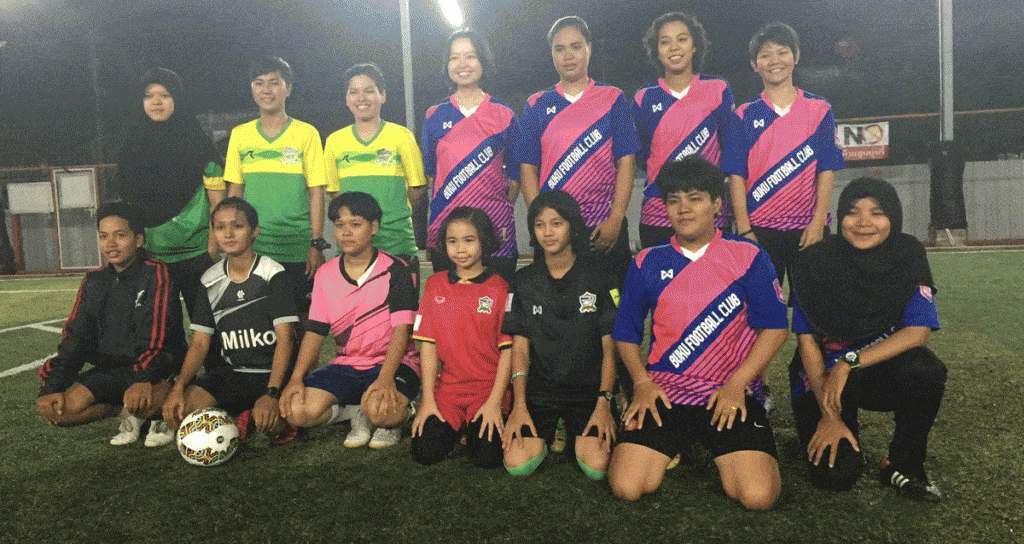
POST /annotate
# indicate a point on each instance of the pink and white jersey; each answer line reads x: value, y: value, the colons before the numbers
x: 575, y: 144
x: 783, y: 155
x: 465, y: 156
x: 703, y: 312
x: 701, y: 122
x: 360, y: 312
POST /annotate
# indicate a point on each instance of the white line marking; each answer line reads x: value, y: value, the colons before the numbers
x: 39, y: 291
x: 28, y: 366
x: 33, y: 325
x: 48, y: 328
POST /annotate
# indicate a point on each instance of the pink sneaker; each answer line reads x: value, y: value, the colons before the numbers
x: 242, y: 422
x: 287, y: 435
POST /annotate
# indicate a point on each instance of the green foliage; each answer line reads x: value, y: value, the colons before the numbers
x: 69, y: 485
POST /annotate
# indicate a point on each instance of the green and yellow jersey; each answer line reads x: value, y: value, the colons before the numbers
x: 384, y: 167
x: 277, y: 173
x: 185, y: 235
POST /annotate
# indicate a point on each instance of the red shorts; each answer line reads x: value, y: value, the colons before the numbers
x: 458, y: 404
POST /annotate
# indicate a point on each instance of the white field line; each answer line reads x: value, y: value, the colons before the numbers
x: 2, y: 291
x: 27, y: 366
x: 36, y: 326
x: 48, y: 328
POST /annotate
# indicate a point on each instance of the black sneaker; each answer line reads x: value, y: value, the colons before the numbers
x: 917, y: 487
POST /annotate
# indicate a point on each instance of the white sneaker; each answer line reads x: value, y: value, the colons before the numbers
x: 385, y: 438
x: 160, y: 434
x: 360, y: 433
x: 128, y: 430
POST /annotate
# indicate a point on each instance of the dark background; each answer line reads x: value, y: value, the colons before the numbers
x: 48, y: 108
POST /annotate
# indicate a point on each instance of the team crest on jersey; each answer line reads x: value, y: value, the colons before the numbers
x: 241, y: 294
x: 655, y: 108
x: 446, y: 125
x: 138, y: 298
x: 485, y: 305
x: 778, y: 291
x: 926, y: 292
x: 439, y: 299
x: 588, y: 302
x: 758, y: 123
x: 385, y: 157
x: 291, y: 155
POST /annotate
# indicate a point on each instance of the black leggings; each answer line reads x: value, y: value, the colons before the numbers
x: 910, y: 385
x: 438, y: 440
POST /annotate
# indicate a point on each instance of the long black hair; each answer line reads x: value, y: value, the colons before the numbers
x: 484, y: 230
x: 566, y: 206
x: 483, y: 54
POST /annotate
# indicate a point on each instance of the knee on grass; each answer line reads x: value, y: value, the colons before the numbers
x: 755, y: 495
x: 515, y: 468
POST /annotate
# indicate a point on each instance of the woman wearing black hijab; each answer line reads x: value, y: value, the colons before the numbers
x: 863, y: 310
x: 169, y: 168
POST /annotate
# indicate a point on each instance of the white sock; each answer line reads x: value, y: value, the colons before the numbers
x: 335, y: 414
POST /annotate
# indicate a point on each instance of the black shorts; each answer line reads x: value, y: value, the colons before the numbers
x: 619, y: 257
x: 302, y: 287
x: 576, y: 415
x: 230, y: 387
x: 348, y: 384
x: 107, y: 385
x: 684, y: 424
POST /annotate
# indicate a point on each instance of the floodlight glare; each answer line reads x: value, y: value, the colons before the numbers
x: 452, y: 12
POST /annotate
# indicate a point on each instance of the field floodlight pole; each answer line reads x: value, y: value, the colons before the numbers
x: 946, y: 68
x: 410, y: 114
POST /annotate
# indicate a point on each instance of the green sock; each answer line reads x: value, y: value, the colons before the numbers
x: 591, y: 473
x: 528, y: 467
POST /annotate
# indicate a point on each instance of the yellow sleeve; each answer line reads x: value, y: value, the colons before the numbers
x: 412, y: 160
x: 233, y: 161
x: 331, y: 165
x: 213, y: 177
x: 313, y: 159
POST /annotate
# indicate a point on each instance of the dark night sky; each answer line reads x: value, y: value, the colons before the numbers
x: 45, y: 82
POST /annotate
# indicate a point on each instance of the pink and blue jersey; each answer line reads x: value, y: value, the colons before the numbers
x: 575, y: 144
x: 782, y: 156
x: 360, y: 312
x: 465, y: 156
x: 703, y: 312
x: 701, y: 122
x: 919, y: 312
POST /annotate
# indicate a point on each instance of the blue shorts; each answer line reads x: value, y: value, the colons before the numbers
x: 348, y: 384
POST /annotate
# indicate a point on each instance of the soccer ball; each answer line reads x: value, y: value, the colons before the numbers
x: 207, y: 437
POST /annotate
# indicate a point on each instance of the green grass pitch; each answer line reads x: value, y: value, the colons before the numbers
x: 69, y: 485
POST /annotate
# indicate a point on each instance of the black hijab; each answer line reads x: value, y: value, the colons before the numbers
x: 853, y: 295
x: 161, y: 164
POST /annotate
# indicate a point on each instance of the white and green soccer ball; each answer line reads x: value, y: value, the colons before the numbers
x: 207, y: 437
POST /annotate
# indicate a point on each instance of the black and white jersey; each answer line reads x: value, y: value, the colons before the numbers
x: 241, y: 316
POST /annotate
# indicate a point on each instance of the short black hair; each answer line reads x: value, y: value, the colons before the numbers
x: 484, y: 229
x: 369, y: 70
x: 697, y: 33
x: 566, y: 206
x: 483, y: 54
x: 129, y: 212
x: 570, y: 20
x: 693, y: 172
x: 774, y: 32
x: 268, y: 65
x: 358, y: 203
x: 241, y: 205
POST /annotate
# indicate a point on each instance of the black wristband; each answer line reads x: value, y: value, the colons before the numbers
x: 274, y: 392
x: 319, y: 243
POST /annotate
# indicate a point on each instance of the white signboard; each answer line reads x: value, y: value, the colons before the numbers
x: 863, y: 142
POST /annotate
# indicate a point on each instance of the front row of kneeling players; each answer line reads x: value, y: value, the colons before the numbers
x: 716, y: 308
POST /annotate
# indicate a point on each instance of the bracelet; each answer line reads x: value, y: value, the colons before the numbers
x: 516, y: 375
x: 745, y: 233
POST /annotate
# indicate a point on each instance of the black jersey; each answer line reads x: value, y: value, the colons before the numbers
x: 564, y: 320
x: 241, y: 316
x: 120, y: 319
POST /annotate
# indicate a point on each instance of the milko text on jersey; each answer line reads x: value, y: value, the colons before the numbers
x: 589, y: 142
x: 704, y: 329
x: 790, y: 165
x: 468, y: 171
x: 247, y: 338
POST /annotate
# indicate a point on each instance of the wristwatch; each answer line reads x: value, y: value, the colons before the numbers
x: 607, y: 395
x: 319, y: 243
x: 853, y: 359
x: 274, y: 392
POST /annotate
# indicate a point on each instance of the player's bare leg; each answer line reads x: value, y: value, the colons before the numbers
x: 314, y: 410
x: 80, y: 407
x: 636, y: 470
x: 751, y: 477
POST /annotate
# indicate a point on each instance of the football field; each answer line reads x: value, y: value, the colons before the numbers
x: 70, y: 485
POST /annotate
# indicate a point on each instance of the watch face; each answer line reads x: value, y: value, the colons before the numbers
x: 851, y: 356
